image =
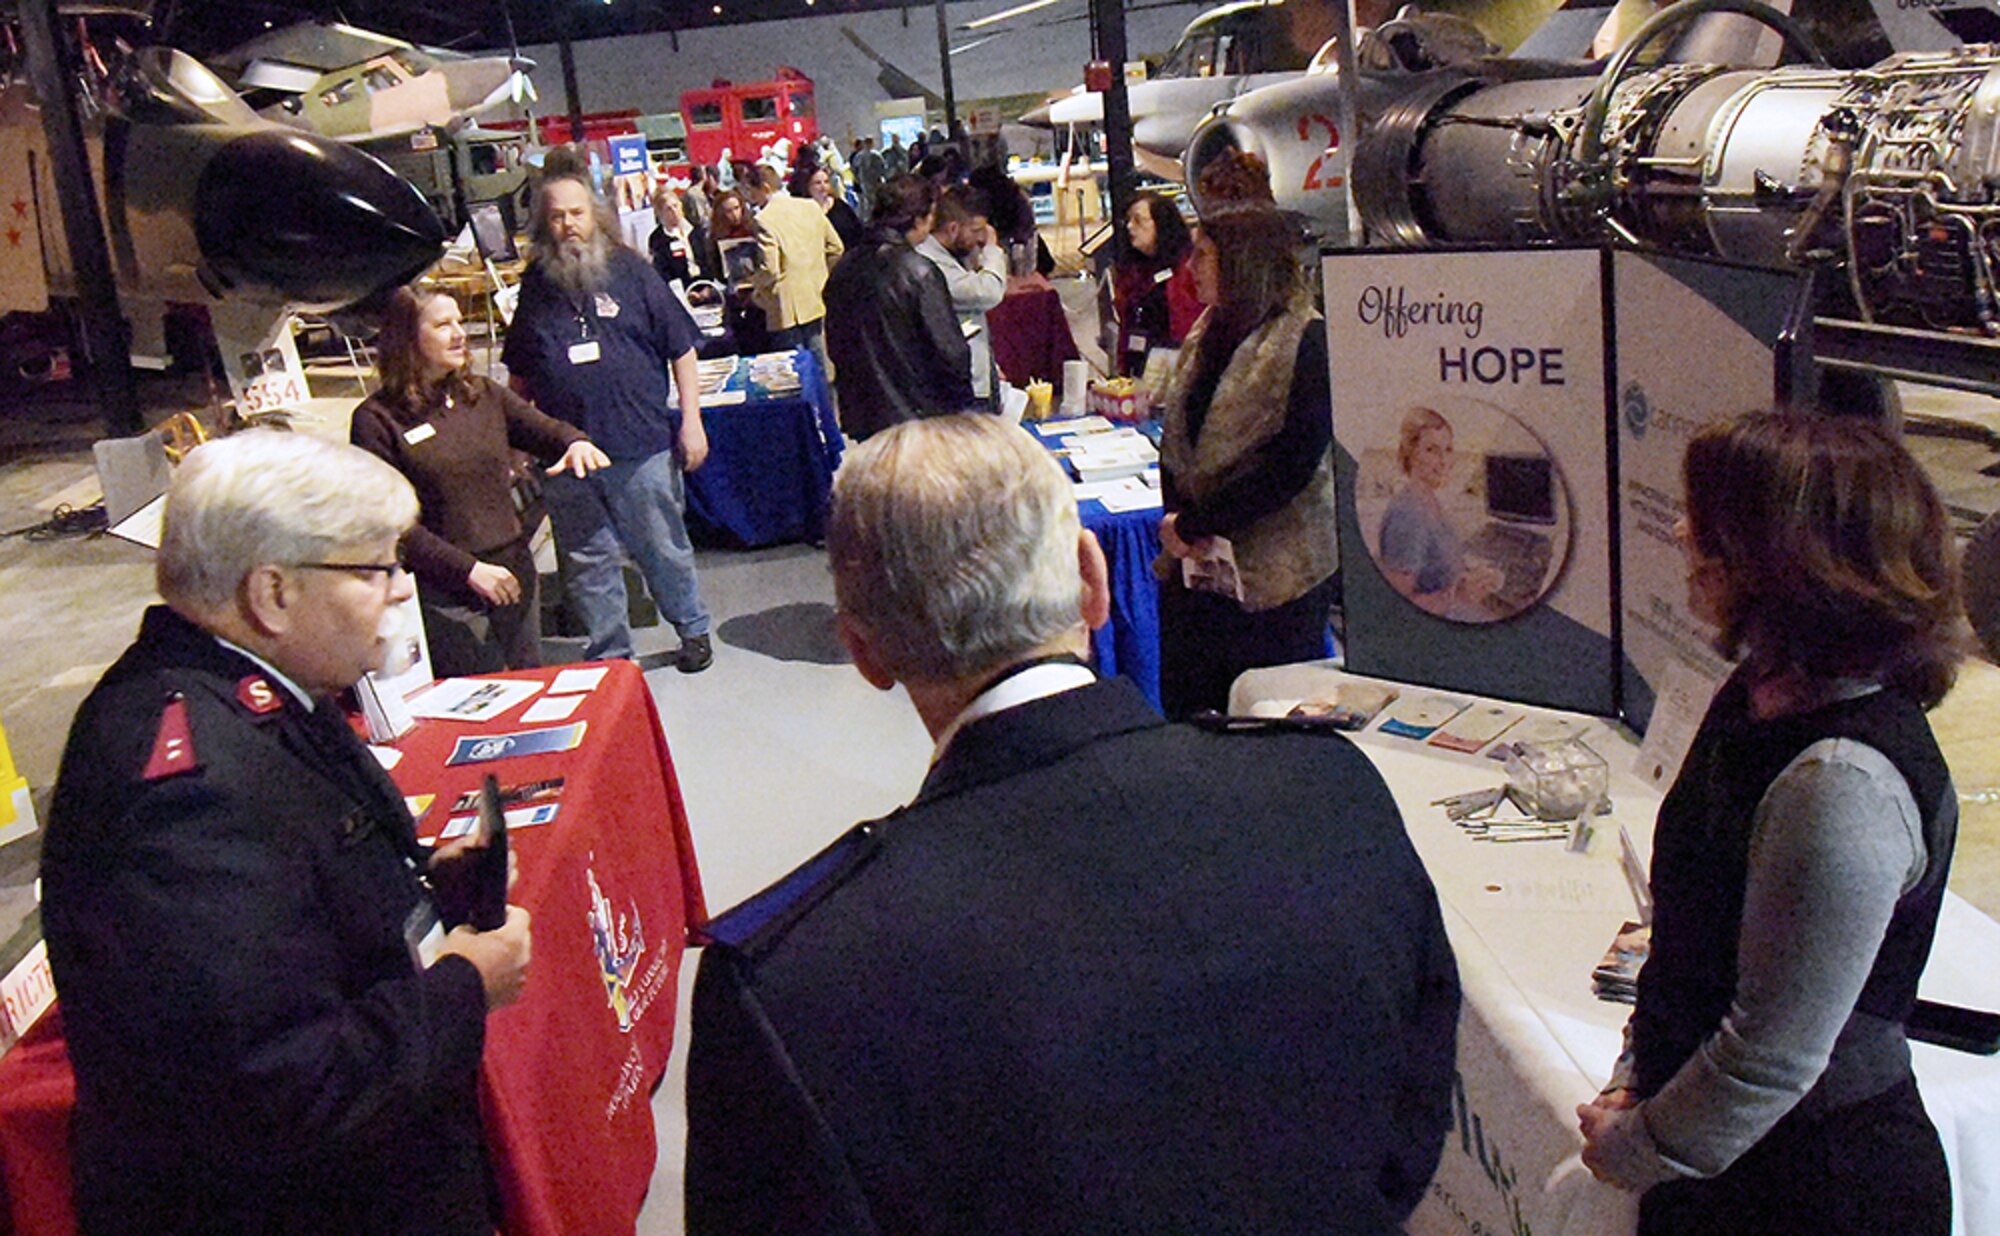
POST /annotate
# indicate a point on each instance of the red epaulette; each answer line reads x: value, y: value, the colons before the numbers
x: 173, y: 744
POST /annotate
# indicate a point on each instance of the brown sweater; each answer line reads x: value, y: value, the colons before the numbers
x: 460, y: 464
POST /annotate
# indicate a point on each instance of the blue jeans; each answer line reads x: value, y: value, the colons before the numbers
x: 635, y: 508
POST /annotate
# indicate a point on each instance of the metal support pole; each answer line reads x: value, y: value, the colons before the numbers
x: 1107, y: 35
x: 107, y: 337
x: 944, y: 67
x: 1345, y: 119
x: 567, y: 52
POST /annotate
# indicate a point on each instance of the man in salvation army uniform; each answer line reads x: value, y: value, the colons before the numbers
x: 1104, y: 974
x: 272, y: 1030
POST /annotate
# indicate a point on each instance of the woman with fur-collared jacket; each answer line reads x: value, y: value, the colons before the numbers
x: 1246, y: 457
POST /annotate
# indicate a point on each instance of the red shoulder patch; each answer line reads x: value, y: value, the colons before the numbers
x: 258, y: 697
x: 173, y: 745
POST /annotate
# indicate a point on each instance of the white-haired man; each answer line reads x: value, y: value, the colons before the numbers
x: 598, y: 340
x: 272, y: 1030
x: 1104, y: 974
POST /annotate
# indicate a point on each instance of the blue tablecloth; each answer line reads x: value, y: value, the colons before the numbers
x: 770, y: 467
x: 1130, y: 643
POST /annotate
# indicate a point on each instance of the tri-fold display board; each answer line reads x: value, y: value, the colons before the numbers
x: 1508, y: 432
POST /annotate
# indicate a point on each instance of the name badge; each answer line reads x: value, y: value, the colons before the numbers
x: 1136, y: 343
x: 584, y: 353
x: 1161, y: 276
x: 422, y: 433
x: 606, y: 307
x: 423, y: 934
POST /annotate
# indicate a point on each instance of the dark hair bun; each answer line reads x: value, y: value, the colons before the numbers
x: 1236, y: 178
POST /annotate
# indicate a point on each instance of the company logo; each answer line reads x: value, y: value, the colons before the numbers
x: 492, y: 748
x: 1637, y: 409
x: 620, y: 941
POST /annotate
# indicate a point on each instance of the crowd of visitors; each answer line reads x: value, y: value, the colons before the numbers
x: 978, y: 1014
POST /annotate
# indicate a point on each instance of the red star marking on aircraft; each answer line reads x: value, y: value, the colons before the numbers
x: 20, y: 205
x: 13, y: 238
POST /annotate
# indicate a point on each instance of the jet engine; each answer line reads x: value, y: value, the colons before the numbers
x: 1893, y: 171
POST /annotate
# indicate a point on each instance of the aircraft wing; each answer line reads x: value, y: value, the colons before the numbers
x: 320, y: 47
x: 892, y: 78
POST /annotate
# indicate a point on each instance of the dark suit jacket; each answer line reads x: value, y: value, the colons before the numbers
x: 1104, y: 975
x: 255, y: 1048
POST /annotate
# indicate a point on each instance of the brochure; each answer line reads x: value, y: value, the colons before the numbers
x: 1475, y: 727
x: 1349, y: 706
x: 472, y: 699
x: 1419, y: 714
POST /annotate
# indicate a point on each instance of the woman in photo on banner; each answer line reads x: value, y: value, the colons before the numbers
x: 1800, y: 859
x: 1421, y: 556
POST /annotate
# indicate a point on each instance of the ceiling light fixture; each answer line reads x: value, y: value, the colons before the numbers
x: 1016, y: 11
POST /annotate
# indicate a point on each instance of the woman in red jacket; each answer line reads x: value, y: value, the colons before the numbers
x: 1152, y: 287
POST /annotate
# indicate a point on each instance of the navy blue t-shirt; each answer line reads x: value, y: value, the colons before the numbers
x: 624, y: 397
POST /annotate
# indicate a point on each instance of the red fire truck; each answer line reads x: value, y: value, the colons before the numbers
x: 746, y: 119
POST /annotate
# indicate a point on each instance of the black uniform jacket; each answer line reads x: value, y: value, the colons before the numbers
x: 1104, y: 975
x: 897, y: 349
x: 226, y: 881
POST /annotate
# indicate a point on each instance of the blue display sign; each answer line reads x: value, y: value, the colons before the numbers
x: 628, y: 154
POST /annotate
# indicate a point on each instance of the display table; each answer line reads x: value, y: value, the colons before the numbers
x: 1030, y: 333
x: 570, y: 1068
x: 1528, y: 922
x: 1129, y: 644
x: 770, y: 466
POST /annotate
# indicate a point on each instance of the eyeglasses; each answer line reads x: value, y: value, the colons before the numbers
x: 388, y: 570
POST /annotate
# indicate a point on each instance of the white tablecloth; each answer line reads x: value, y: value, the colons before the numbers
x: 1528, y: 922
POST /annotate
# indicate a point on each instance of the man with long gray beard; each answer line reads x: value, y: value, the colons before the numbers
x: 599, y: 341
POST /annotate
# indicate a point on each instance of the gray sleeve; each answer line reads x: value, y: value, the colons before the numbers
x: 1836, y: 841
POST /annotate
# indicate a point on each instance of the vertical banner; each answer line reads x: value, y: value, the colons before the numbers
x: 632, y: 189
x: 1694, y: 343
x: 1471, y: 439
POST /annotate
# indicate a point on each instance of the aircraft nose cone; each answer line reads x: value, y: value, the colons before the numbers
x: 317, y: 223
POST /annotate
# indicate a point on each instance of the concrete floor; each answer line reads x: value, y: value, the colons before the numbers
x: 779, y: 747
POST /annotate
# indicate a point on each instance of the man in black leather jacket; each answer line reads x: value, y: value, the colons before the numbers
x: 897, y: 350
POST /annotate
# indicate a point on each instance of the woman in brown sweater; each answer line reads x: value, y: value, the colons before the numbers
x: 453, y: 433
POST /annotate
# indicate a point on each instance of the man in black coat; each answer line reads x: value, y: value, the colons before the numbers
x: 272, y: 1030
x: 1104, y: 974
x: 897, y: 349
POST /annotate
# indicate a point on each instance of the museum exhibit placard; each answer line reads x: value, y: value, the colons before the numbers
x: 1694, y: 342
x: 1472, y: 439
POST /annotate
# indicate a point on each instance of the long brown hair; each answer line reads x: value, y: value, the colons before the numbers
x: 717, y: 227
x: 397, y: 358
x: 1838, y: 557
x: 1258, y: 275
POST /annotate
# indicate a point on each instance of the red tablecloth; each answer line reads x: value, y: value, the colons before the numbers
x: 37, y: 1091
x: 1030, y: 333
x: 570, y: 1068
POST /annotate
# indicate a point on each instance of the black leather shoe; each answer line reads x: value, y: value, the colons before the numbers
x: 697, y: 653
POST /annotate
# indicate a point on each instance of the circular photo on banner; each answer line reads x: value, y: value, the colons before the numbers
x: 1463, y: 510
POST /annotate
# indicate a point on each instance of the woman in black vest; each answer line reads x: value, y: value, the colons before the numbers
x: 1801, y: 855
